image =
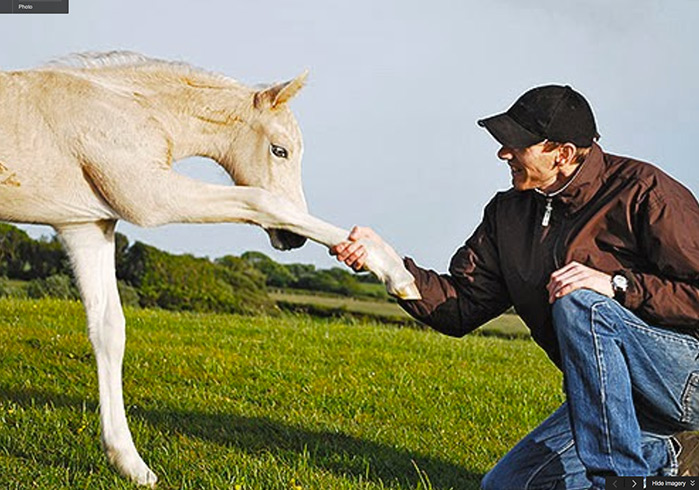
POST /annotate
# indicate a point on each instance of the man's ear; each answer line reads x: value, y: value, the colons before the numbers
x: 566, y: 154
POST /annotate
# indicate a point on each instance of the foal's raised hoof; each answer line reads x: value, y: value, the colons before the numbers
x: 407, y: 292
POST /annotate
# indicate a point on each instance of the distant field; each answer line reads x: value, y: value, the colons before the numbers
x: 267, y: 403
x: 505, y: 326
x: 367, y: 306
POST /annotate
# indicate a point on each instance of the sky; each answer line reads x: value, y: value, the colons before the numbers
x: 394, y: 91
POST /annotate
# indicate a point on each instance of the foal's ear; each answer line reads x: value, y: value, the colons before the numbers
x: 280, y: 93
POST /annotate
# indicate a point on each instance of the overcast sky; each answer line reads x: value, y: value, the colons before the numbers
x: 394, y: 91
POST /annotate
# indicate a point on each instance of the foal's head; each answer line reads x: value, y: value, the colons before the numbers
x: 269, y: 155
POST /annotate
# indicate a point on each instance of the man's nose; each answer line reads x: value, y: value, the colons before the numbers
x: 505, y: 153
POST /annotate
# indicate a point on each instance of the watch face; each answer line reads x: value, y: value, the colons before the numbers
x: 620, y: 283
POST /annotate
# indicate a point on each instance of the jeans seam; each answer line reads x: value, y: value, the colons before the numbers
x: 674, y: 458
x: 603, y: 381
x: 556, y: 454
x: 668, y: 336
x: 686, y: 397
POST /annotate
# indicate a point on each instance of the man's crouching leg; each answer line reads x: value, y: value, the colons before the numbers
x: 546, y: 458
x: 612, y: 361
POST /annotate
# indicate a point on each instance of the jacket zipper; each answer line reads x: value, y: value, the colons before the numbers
x: 546, y: 221
x: 547, y: 213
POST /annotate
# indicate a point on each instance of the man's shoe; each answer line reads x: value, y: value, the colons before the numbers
x: 688, y: 453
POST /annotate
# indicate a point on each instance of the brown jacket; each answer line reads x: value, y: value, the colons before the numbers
x: 618, y: 214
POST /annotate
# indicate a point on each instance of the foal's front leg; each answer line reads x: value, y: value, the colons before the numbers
x: 91, y: 249
x: 269, y: 210
x: 165, y: 197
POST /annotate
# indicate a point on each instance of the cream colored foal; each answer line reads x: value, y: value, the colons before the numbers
x: 86, y: 143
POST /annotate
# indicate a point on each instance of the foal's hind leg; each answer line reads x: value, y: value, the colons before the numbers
x: 91, y: 249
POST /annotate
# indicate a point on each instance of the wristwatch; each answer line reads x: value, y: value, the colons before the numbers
x: 620, y: 284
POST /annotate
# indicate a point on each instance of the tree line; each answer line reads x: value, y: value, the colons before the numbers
x: 149, y: 277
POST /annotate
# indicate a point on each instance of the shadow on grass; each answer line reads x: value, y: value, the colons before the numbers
x: 336, y: 452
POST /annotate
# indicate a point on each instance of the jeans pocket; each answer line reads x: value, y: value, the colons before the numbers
x: 690, y: 401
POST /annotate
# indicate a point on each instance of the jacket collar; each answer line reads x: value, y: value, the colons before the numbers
x: 585, y: 183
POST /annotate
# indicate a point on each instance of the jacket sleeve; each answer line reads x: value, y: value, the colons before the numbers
x: 471, y: 294
x: 666, y: 292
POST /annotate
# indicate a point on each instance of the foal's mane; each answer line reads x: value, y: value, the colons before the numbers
x: 104, y: 61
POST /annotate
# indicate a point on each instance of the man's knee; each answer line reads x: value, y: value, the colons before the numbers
x: 576, y: 305
x: 583, y: 312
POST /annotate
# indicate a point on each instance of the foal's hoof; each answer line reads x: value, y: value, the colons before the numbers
x: 408, y: 292
x: 142, y: 475
x: 148, y: 479
x: 133, y: 468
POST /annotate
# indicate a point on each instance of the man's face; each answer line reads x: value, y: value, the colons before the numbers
x: 532, y: 167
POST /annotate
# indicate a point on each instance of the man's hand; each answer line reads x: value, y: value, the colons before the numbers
x: 577, y: 276
x: 353, y: 253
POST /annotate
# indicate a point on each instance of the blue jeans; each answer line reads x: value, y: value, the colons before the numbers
x: 629, y: 386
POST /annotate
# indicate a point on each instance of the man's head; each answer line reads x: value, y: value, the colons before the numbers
x: 544, y: 136
x: 552, y: 112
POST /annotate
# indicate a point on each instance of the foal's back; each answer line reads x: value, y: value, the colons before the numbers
x: 49, y: 119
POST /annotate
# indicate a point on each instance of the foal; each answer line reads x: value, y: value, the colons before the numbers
x: 88, y: 143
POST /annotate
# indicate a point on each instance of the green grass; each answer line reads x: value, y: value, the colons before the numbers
x: 217, y: 401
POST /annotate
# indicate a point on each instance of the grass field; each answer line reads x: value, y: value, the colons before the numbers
x: 507, y: 326
x: 228, y: 402
x: 367, y: 306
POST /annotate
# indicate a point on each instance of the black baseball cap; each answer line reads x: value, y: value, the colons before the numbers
x: 551, y: 112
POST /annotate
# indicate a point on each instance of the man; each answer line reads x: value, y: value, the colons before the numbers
x: 599, y: 255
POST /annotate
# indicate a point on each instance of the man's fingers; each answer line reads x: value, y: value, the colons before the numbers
x: 566, y: 269
x: 351, y: 249
x: 356, y: 253
x: 571, y: 272
x: 576, y: 276
x: 338, y: 249
x: 353, y: 253
x: 568, y: 279
x: 558, y: 290
x: 572, y: 275
x: 567, y: 289
x: 358, y: 259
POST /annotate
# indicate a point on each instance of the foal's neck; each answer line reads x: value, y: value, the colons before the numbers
x: 201, y: 115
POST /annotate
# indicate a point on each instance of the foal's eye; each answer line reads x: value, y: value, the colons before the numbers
x: 278, y: 151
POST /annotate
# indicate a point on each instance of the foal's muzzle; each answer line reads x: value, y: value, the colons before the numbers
x: 285, y: 240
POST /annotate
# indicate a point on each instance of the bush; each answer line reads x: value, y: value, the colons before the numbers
x: 128, y: 295
x: 24, y: 258
x: 184, y: 282
x: 276, y: 275
x: 305, y: 276
x: 56, y: 286
x: 333, y: 280
x: 12, y: 289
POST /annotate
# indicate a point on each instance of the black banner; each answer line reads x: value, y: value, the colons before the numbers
x: 33, y: 6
